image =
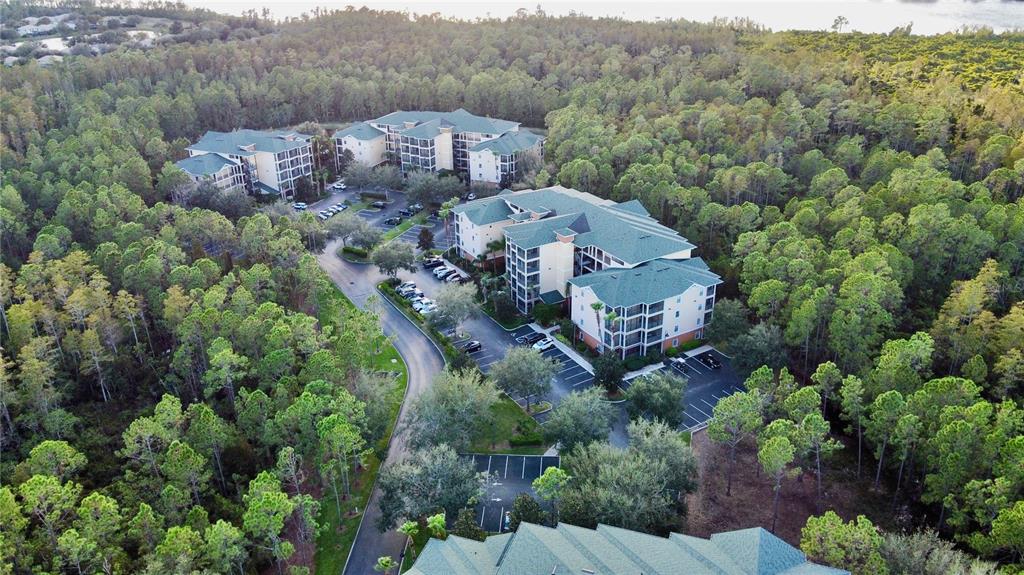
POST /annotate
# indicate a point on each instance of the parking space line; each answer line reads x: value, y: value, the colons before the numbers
x: 707, y: 404
x: 700, y: 410
x: 488, y: 465
x: 506, y: 467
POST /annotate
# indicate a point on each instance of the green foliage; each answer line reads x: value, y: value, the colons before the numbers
x: 608, y: 372
x: 854, y: 546
x: 580, y: 418
x: 658, y: 395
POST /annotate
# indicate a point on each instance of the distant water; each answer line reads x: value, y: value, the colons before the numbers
x: 927, y: 16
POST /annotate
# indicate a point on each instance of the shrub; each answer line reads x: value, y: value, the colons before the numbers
x: 526, y: 439
x: 545, y: 314
x: 354, y: 251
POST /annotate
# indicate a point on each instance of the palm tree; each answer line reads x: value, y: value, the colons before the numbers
x: 445, y: 211
x: 494, y: 247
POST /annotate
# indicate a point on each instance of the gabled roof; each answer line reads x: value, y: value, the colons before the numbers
x: 485, y: 210
x: 461, y: 121
x: 236, y: 142
x: 509, y: 143
x: 359, y: 131
x: 204, y: 164
x: 535, y: 549
x: 650, y: 282
x: 426, y: 130
x: 623, y: 230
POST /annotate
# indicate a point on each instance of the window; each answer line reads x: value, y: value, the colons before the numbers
x: 675, y: 342
x: 677, y: 313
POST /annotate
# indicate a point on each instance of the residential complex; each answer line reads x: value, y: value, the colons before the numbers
x: 483, y: 149
x: 568, y: 549
x: 631, y: 283
x: 261, y: 162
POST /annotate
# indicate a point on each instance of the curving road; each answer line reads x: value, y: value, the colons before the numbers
x: 423, y: 360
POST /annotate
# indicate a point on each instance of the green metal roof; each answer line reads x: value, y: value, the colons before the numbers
x: 359, y: 131
x: 551, y: 297
x: 623, y: 230
x: 650, y: 282
x: 509, y: 143
x: 265, y: 189
x: 263, y: 141
x: 427, y: 130
x: 485, y: 210
x: 613, y: 551
x: 204, y: 164
x: 461, y: 120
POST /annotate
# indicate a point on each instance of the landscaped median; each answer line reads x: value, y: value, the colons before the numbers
x: 338, y: 533
x: 513, y: 431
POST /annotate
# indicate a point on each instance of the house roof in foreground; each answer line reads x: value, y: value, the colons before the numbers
x: 204, y: 164
x: 614, y: 551
x: 235, y: 142
x: 359, y: 131
x: 460, y: 119
x: 624, y: 230
x: 509, y: 143
x: 649, y: 282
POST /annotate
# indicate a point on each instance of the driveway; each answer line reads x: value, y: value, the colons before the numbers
x: 423, y: 360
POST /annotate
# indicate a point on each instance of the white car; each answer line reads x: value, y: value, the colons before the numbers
x: 299, y: 206
x: 323, y: 215
x: 428, y: 310
x: 423, y: 303
x: 544, y: 344
x: 442, y: 271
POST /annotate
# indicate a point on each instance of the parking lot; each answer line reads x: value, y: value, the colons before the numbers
x: 508, y: 476
x: 705, y: 387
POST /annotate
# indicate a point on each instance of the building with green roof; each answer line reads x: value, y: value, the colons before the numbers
x: 433, y: 141
x: 564, y: 245
x: 567, y: 549
x: 213, y: 168
x: 263, y: 162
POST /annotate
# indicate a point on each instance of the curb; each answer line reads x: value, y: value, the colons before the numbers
x: 391, y: 437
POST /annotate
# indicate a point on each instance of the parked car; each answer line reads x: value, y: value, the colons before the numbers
x: 435, y: 213
x: 393, y: 221
x: 454, y: 278
x: 323, y: 215
x: 406, y: 285
x: 339, y: 185
x: 710, y: 361
x: 471, y: 197
x: 530, y: 338
x: 442, y: 271
x: 431, y: 262
x: 406, y: 212
x: 415, y: 207
x: 339, y: 207
x: 422, y: 303
x: 379, y: 205
x: 428, y: 309
x: 544, y: 344
x: 471, y: 346
x: 299, y: 206
x: 414, y: 293
x: 451, y: 273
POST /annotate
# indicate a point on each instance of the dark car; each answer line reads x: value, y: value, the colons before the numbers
x: 435, y: 213
x: 710, y: 361
x: 471, y: 346
x: 393, y: 221
x: 530, y: 338
x: 431, y: 264
x: 406, y: 212
x: 378, y: 205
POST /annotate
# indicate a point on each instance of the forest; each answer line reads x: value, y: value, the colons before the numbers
x: 183, y: 389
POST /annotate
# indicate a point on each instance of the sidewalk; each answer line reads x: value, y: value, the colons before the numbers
x: 567, y: 350
x: 643, y: 371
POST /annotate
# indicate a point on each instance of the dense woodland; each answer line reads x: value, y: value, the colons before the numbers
x: 174, y: 378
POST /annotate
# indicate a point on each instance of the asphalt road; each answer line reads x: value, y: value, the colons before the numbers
x: 423, y: 360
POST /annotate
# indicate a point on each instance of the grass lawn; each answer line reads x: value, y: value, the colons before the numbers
x: 509, y: 421
x: 402, y: 227
x: 338, y: 533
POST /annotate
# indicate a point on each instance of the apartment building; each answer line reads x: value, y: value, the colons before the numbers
x: 261, y: 162
x: 632, y: 283
x: 568, y: 549
x: 483, y: 149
